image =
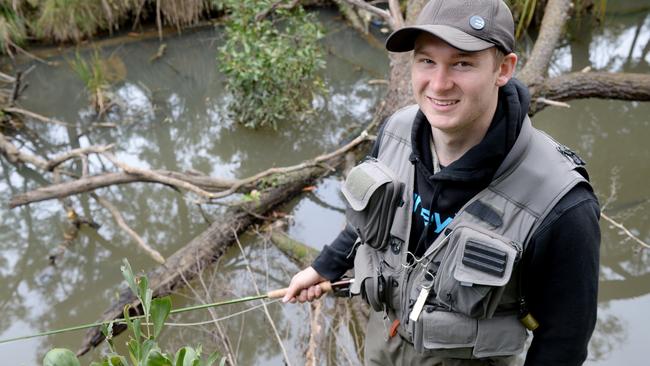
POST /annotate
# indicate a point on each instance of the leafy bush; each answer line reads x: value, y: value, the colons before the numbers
x: 143, y: 349
x: 271, y: 63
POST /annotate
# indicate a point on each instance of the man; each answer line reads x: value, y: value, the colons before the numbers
x: 497, y: 231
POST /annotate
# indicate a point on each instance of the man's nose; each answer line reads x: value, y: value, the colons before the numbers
x: 441, y: 80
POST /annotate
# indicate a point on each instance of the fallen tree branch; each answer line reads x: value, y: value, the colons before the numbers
x: 117, y: 216
x: 16, y: 156
x: 35, y: 116
x: 153, y: 176
x: 580, y: 85
x: 91, y: 183
x: 76, y: 153
x: 196, y: 183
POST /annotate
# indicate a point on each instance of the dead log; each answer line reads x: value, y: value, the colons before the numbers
x: 602, y: 85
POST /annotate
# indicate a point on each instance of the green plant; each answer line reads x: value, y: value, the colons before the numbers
x: 142, y: 345
x: 12, y: 28
x: 271, y: 64
x: 93, y: 72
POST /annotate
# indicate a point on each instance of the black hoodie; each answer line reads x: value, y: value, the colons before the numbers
x: 560, y: 277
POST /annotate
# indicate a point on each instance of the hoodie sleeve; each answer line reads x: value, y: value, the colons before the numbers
x: 561, y: 281
x: 335, y: 259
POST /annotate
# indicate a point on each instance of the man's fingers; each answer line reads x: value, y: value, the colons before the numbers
x: 291, y: 292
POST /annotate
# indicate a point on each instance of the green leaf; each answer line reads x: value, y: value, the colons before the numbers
x: 134, y: 350
x: 148, y: 347
x: 157, y: 359
x: 60, y: 357
x: 160, y: 309
x: 116, y: 360
x: 143, y: 286
x: 185, y: 357
x: 128, y: 276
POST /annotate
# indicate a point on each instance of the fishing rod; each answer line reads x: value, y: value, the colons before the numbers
x: 338, y: 288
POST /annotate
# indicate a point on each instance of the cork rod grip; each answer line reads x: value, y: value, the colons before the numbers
x: 325, y: 286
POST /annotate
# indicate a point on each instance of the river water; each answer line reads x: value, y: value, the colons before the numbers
x: 174, y: 117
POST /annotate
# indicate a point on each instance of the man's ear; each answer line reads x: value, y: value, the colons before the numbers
x: 506, y: 69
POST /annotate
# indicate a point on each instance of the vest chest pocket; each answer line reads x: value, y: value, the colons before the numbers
x: 475, y: 268
x: 373, y: 193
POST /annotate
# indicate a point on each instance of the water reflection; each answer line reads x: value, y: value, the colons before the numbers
x: 173, y: 117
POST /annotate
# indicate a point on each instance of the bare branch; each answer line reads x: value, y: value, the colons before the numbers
x: 159, y: 178
x: 553, y: 103
x: 625, y: 230
x: 556, y: 14
x: 16, y: 156
x: 36, y: 116
x: 117, y: 216
x: 396, y: 13
x: 375, y: 10
x: 76, y: 153
x: 223, y: 187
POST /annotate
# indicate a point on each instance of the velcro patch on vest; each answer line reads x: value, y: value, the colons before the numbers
x: 485, y: 212
x: 484, y: 258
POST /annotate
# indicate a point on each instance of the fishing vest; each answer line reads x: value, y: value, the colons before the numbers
x: 465, y: 288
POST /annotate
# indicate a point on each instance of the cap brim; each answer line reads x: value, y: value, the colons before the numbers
x: 403, y: 40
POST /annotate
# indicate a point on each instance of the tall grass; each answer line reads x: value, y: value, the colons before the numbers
x: 12, y: 27
x: 94, y: 74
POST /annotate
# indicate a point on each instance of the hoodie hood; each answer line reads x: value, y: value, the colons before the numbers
x: 481, y: 161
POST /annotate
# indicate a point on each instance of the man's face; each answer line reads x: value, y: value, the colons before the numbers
x: 456, y: 90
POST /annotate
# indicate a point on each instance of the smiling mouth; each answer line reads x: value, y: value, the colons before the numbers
x: 443, y: 103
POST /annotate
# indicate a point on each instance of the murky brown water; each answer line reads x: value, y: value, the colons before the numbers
x: 175, y: 119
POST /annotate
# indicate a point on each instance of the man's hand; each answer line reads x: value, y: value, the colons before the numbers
x: 302, y: 287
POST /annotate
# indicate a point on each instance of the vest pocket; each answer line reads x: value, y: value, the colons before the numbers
x: 443, y: 330
x: 500, y: 336
x: 475, y: 268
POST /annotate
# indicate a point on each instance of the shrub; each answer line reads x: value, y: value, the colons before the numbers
x: 271, y: 64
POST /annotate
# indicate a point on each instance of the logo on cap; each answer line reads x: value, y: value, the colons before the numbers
x: 477, y: 22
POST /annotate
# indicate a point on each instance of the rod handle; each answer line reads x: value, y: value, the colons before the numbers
x: 325, y: 286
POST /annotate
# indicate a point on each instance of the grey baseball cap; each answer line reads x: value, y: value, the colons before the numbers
x: 469, y: 25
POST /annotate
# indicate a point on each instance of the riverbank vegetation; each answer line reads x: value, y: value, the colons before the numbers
x: 252, y: 69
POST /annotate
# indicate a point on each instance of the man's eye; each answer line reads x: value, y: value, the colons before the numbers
x: 463, y: 64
